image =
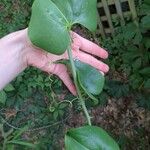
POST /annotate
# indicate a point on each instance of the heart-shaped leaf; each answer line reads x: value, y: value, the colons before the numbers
x: 89, y: 138
x: 91, y: 80
x: 51, y: 22
x: 77, y: 11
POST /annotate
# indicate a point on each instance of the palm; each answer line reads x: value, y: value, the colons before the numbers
x: 81, y: 49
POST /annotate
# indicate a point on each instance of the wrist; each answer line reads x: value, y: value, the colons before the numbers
x: 13, y: 52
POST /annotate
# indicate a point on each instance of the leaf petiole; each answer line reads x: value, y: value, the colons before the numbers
x: 77, y: 86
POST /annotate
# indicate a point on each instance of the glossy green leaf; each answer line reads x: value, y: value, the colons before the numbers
x: 47, y: 28
x: 51, y: 22
x: 95, y: 100
x: 77, y: 11
x: 89, y: 138
x: 90, y: 78
x: 2, y: 97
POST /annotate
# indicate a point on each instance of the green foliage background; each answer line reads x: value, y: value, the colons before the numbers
x: 34, y: 97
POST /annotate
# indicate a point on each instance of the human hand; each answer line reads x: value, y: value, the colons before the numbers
x: 17, y: 53
x: 82, y: 49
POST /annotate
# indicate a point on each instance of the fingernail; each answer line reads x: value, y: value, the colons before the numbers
x: 106, y: 55
x: 74, y: 93
x: 106, y: 69
x: 102, y: 73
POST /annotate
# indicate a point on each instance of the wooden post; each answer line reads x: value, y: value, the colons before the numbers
x: 119, y: 11
x: 108, y: 16
x: 133, y: 11
x: 100, y: 25
x: 106, y: 8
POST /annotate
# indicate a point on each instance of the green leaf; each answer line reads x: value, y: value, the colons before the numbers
x: 94, y: 99
x: 146, y: 41
x: 116, y: 88
x: 51, y: 109
x: 143, y: 101
x: 103, y: 99
x: 80, y: 68
x: 89, y: 138
x: 63, y: 105
x: 10, y: 147
x: 47, y: 28
x: 138, y: 38
x: 23, y: 143
x: 90, y: 78
x: 51, y: 22
x: 56, y: 115
x: 137, y: 63
x: 147, y: 2
x: 147, y: 84
x: 146, y: 22
x: 3, y: 97
x: 145, y: 71
x: 9, y: 88
x: 19, y: 132
x: 129, y: 31
x: 61, y: 113
x: 77, y: 11
x: 145, y: 9
x: 135, y: 80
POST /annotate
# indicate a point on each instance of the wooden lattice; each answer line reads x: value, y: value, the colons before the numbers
x: 111, y: 9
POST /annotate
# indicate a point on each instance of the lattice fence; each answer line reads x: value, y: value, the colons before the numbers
x: 110, y: 10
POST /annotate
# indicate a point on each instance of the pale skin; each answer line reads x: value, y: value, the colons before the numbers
x: 17, y: 53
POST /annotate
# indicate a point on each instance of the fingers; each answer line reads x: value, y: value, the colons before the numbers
x: 86, y: 58
x: 60, y: 70
x: 89, y: 46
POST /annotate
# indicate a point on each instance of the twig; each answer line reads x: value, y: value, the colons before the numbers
x: 36, y: 129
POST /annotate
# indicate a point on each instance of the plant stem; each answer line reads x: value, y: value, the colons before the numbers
x: 4, y: 136
x: 4, y: 144
x: 77, y: 86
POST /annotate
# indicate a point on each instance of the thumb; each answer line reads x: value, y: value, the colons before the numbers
x: 61, y: 71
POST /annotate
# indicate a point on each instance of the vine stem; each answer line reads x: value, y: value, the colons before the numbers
x: 4, y: 137
x: 77, y: 86
x: 4, y: 144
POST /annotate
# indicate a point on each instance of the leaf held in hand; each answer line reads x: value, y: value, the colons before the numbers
x: 90, y: 78
x: 51, y: 22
